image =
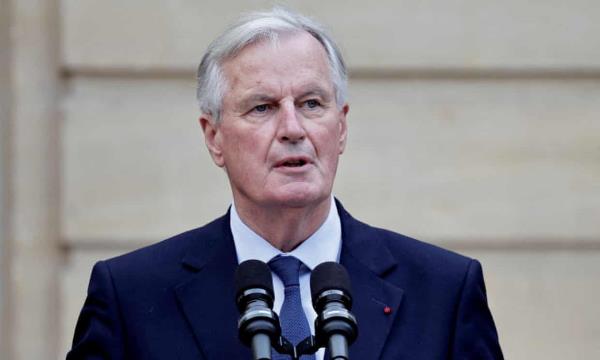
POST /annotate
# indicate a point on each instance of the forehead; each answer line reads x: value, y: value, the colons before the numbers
x: 289, y: 62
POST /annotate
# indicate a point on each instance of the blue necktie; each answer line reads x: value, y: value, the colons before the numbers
x: 294, y: 325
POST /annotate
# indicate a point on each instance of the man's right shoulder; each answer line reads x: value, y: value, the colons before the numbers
x: 167, y: 255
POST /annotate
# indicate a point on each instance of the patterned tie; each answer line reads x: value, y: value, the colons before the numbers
x: 294, y: 325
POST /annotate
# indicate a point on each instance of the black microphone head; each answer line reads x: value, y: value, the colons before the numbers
x: 329, y: 276
x: 253, y: 274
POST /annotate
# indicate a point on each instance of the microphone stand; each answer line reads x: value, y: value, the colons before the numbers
x: 283, y: 346
x: 307, y: 346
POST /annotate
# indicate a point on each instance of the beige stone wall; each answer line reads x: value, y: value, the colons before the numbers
x: 474, y: 125
x: 4, y: 114
x: 31, y: 172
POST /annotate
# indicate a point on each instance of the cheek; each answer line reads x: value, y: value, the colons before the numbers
x: 327, y: 141
x: 245, y: 150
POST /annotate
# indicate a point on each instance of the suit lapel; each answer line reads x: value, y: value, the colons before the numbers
x: 368, y: 260
x: 207, y: 300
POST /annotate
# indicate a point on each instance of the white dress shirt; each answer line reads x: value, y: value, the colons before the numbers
x: 323, y: 245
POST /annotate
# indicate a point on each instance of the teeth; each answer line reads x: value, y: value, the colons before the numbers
x: 294, y: 163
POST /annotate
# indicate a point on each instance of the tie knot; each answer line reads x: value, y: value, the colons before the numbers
x: 287, y: 268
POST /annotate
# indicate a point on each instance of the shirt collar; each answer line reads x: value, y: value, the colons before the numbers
x: 323, y: 245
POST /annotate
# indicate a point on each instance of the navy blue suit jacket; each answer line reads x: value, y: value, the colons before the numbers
x: 175, y: 300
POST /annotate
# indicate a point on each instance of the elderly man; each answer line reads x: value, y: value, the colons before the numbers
x: 272, y: 91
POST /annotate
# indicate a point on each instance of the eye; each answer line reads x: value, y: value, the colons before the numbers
x: 312, y: 103
x: 262, y: 108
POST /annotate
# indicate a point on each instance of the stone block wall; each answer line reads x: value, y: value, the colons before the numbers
x: 473, y: 125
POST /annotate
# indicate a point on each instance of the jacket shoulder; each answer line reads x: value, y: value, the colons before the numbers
x: 413, y: 257
x: 406, y: 248
x: 167, y: 255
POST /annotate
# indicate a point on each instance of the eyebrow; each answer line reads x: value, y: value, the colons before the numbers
x: 318, y: 91
x: 256, y: 98
x: 264, y: 98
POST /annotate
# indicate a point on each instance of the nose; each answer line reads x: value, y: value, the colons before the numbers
x: 290, y: 127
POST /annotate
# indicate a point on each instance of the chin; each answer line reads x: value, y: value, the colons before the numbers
x: 301, y: 197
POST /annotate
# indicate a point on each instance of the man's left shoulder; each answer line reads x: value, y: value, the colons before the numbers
x: 408, y: 247
x: 427, y: 261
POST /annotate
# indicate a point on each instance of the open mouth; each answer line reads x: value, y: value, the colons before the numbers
x: 294, y: 163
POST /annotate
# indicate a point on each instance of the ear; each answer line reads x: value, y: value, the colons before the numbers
x: 343, y: 128
x: 212, y: 138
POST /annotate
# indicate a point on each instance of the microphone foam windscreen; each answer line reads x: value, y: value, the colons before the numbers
x: 327, y: 276
x: 253, y: 274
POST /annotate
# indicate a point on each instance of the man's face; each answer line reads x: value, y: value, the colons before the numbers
x: 281, y: 131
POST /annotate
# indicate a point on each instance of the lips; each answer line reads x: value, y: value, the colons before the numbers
x: 292, y: 162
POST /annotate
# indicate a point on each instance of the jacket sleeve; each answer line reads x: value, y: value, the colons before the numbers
x: 475, y: 335
x: 99, y: 333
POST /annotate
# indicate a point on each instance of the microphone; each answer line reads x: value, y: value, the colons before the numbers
x: 335, y: 326
x: 258, y: 324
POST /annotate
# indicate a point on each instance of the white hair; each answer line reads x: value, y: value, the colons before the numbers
x: 254, y: 27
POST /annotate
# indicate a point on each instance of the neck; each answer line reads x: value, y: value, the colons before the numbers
x: 284, y: 227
